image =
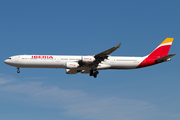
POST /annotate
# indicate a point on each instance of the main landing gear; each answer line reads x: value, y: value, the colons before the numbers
x: 18, y: 71
x: 93, y: 73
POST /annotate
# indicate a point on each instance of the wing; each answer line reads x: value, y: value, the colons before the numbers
x: 103, y: 55
x: 107, y: 52
x: 85, y: 67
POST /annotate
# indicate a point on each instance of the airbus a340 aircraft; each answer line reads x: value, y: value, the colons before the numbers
x: 91, y: 64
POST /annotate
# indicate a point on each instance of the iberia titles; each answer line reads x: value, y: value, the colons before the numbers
x: 42, y: 57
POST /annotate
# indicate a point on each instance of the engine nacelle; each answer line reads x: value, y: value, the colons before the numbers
x: 88, y: 59
x: 72, y: 65
x: 71, y: 71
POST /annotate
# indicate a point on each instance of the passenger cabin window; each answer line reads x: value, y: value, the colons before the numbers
x: 124, y: 60
x: 74, y: 59
x: 64, y: 58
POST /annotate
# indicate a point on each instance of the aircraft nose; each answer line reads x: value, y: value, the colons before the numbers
x: 5, y: 61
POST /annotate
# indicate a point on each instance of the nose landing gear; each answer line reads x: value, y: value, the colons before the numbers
x: 18, y: 71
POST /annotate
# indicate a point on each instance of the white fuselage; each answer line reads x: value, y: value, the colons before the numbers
x: 60, y: 61
x: 91, y: 64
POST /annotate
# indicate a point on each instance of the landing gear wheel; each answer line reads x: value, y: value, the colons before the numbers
x: 91, y: 73
x: 97, y: 72
x: 95, y: 75
x: 18, y: 71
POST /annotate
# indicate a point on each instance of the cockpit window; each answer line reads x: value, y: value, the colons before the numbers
x: 9, y: 58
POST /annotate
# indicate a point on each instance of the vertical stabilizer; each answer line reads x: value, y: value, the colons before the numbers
x: 161, y: 51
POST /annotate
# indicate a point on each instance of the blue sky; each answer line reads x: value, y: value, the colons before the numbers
x: 87, y: 28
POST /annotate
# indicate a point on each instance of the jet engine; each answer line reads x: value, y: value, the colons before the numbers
x: 88, y: 59
x: 72, y: 65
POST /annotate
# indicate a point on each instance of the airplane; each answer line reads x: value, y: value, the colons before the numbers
x: 92, y: 63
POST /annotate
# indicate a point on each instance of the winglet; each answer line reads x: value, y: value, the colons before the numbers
x: 118, y: 45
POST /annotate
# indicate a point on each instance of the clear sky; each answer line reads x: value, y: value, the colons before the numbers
x: 88, y: 27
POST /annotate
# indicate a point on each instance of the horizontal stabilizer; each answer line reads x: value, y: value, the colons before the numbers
x: 165, y: 58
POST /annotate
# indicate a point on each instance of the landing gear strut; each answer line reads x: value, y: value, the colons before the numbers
x: 18, y: 71
x: 93, y: 73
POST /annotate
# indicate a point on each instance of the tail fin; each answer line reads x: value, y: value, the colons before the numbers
x: 160, y: 54
x: 162, y: 50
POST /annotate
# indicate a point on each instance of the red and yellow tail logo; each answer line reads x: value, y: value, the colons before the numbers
x: 161, y: 51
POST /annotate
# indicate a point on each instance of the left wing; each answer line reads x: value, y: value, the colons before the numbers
x: 94, y: 60
x: 103, y: 55
x: 107, y: 52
